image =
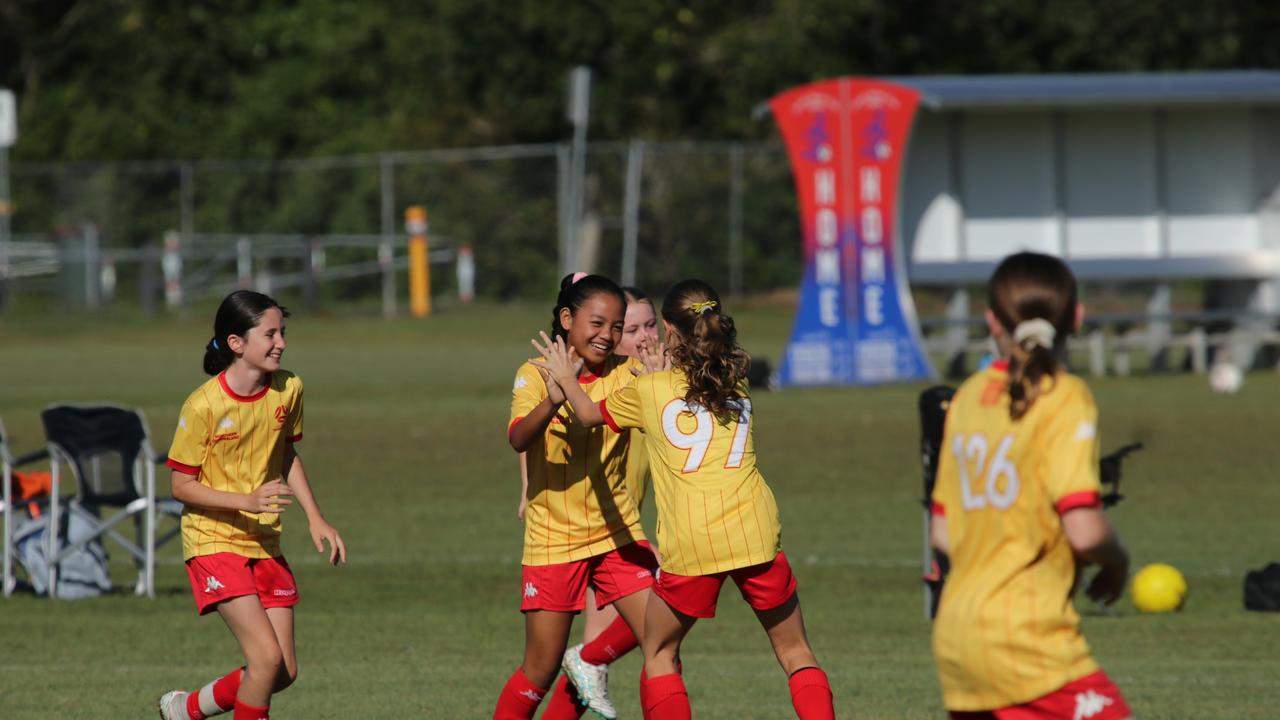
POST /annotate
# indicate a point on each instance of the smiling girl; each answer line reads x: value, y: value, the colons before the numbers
x: 581, y: 526
x: 235, y: 469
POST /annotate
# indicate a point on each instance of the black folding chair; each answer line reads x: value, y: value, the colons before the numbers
x: 110, y: 455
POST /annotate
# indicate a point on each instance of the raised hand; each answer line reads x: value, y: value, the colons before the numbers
x: 555, y: 393
x: 270, y: 497
x: 561, y: 361
x: 653, y: 355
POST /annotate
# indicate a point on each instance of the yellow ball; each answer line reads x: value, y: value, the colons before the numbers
x: 1159, y: 588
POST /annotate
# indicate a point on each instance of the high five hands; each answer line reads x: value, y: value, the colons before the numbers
x: 559, y: 365
x: 654, y: 356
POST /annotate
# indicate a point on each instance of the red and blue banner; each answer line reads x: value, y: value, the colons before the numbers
x: 856, y: 323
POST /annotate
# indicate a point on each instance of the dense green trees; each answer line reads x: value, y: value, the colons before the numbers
x: 112, y: 79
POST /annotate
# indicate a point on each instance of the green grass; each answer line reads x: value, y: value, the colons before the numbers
x: 405, y: 446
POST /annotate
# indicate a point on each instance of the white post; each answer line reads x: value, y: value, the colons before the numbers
x: 386, y: 247
x: 8, y: 136
x: 578, y: 113
x: 466, y: 270
x: 244, y: 263
x: 735, y: 220
x: 171, y: 265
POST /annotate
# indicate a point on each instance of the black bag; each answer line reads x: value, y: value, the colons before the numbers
x: 1262, y: 589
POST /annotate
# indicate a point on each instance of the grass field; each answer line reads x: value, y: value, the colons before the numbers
x: 405, y: 446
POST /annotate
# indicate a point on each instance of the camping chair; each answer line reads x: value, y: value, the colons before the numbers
x: 7, y: 465
x: 110, y: 455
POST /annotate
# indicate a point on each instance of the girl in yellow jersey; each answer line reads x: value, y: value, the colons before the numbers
x: 581, y: 525
x: 1017, y: 508
x: 235, y: 469
x: 717, y: 518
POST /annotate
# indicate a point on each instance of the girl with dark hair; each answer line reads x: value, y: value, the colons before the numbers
x: 235, y: 468
x: 717, y: 519
x: 1017, y: 508
x: 581, y: 526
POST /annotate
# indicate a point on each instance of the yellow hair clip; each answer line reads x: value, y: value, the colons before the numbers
x: 701, y: 308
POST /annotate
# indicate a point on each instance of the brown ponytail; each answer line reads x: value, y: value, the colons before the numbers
x: 1034, y: 297
x: 707, y: 352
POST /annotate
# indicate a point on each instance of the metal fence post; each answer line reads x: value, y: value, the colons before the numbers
x: 735, y: 220
x: 386, y: 249
x: 631, y: 211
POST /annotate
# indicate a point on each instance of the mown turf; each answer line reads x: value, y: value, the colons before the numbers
x: 405, y: 447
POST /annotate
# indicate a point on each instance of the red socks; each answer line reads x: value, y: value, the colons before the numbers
x: 616, y: 640
x: 249, y: 712
x: 564, y: 703
x: 519, y: 699
x: 811, y: 694
x: 664, y: 698
x: 215, y: 698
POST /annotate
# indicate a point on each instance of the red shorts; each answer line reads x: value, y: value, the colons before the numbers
x: 563, y: 586
x: 1092, y: 696
x: 225, y: 575
x: 764, y: 587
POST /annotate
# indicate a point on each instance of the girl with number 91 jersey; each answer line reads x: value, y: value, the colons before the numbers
x: 1017, y: 507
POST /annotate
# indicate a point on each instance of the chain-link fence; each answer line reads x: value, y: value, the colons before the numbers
x: 90, y: 233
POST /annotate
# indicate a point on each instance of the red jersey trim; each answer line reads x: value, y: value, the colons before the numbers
x: 1002, y: 364
x: 511, y: 428
x: 1086, y: 499
x: 937, y: 509
x: 182, y: 467
x: 222, y: 380
x: 608, y: 419
x: 295, y: 438
x: 591, y: 375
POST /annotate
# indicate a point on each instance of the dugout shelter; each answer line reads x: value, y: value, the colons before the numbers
x: 1148, y: 178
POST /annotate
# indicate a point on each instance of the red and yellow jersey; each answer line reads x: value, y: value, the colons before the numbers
x: 715, y: 512
x: 1006, y: 631
x: 235, y: 443
x: 577, y: 503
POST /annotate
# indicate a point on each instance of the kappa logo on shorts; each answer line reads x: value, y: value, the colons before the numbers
x: 284, y: 593
x: 212, y: 584
x: 534, y: 696
x: 1090, y: 703
x: 530, y: 590
x: 643, y: 574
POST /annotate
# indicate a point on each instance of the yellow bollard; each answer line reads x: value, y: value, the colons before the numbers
x: 415, y: 223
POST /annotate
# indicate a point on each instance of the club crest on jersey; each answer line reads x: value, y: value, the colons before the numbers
x: 281, y: 414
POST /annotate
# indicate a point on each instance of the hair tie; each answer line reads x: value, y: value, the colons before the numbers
x: 701, y: 308
x: 215, y: 344
x: 1036, y: 331
x: 576, y: 277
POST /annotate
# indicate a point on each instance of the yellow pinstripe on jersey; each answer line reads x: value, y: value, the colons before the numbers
x: 577, y: 503
x: 1006, y: 631
x: 637, y: 473
x: 235, y: 443
x: 715, y: 512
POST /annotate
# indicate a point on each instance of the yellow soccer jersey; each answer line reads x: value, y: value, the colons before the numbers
x: 577, y: 503
x: 715, y: 512
x: 637, y: 472
x: 235, y: 443
x: 1006, y: 631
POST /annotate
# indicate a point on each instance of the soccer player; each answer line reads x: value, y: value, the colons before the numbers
x: 601, y: 632
x: 581, y: 525
x: 235, y: 468
x: 1017, y: 508
x: 717, y: 518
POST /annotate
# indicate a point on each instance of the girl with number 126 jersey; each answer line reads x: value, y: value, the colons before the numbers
x: 1018, y: 509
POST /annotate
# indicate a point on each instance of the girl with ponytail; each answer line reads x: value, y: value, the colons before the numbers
x: 1017, y: 508
x: 717, y: 518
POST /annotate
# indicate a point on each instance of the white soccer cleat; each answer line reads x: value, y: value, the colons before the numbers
x: 591, y: 681
x: 173, y: 705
